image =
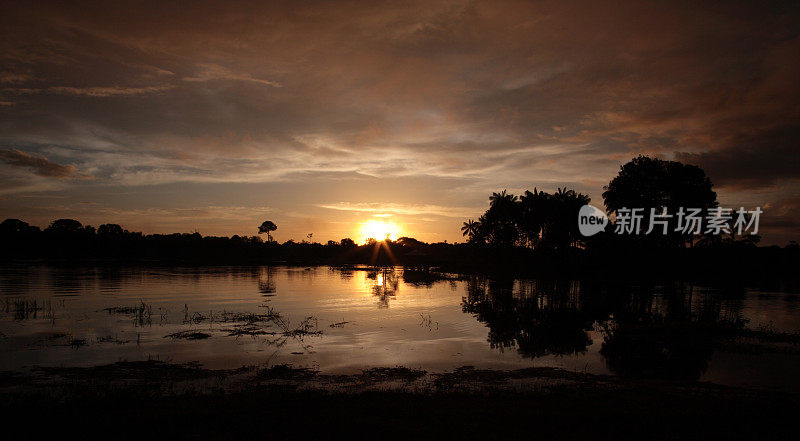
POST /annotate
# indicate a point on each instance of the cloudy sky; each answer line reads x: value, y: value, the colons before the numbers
x: 319, y: 116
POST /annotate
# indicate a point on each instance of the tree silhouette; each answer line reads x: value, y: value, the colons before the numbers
x: 561, y: 226
x: 15, y: 226
x: 267, y: 227
x: 537, y: 322
x: 470, y: 229
x: 535, y: 219
x: 502, y: 198
x: 64, y: 226
x: 110, y: 230
x: 532, y: 216
x: 499, y: 225
x: 647, y: 183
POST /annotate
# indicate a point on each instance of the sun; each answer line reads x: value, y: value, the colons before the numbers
x: 379, y: 230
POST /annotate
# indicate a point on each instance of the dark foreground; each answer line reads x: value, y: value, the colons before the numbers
x: 157, y: 400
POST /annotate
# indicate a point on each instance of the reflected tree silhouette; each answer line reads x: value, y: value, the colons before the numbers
x: 670, y: 339
x: 646, y: 333
x: 536, y: 322
x: 385, y: 283
x: 655, y: 347
x: 266, y: 286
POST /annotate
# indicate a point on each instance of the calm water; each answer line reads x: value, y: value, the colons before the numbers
x: 340, y: 321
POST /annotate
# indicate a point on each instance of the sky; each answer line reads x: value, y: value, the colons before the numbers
x: 321, y: 116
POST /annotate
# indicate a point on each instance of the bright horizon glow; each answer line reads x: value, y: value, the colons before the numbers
x: 379, y: 230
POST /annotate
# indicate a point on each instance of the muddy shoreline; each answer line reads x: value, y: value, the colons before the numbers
x: 153, y: 399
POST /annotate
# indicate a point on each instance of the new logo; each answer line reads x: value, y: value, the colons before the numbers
x: 591, y: 220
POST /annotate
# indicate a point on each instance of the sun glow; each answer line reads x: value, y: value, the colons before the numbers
x: 378, y: 230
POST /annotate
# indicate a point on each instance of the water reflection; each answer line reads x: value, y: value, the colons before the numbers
x: 327, y: 318
x: 266, y: 284
x: 647, y: 331
x: 24, y: 309
x: 537, y: 318
x: 384, y: 283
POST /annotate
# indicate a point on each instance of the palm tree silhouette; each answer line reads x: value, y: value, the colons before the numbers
x: 502, y: 197
x: 470, y: 228
x: 564, y: 229
x: 533, y: 216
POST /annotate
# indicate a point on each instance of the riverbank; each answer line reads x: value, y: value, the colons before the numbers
x: 607, y: 259
x: 160, y: 400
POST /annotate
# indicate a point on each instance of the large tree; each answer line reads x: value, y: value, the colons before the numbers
x: 647, y: 183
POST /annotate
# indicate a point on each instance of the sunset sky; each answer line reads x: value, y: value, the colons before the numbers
x: 320, y: 116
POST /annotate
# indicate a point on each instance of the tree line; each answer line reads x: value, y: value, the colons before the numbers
x: 535, y: 219
x: 548, y: 221
x: 533, y: 234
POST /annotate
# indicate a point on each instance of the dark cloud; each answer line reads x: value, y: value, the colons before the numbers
x: 752, y: 161
x: 38, y: 164
x: 779, y: 220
